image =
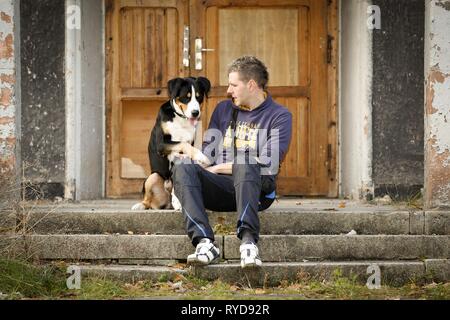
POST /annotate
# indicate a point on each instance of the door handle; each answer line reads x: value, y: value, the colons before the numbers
x: 198, y: 53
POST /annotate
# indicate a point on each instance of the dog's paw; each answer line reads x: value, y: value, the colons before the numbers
x: 168, y: 185
x: 138, y: 206
x: 176, y: 203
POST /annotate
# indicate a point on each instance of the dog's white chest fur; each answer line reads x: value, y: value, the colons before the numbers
x: 181, y: 130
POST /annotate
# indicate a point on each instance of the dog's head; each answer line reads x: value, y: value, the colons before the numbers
x: 186, y: 96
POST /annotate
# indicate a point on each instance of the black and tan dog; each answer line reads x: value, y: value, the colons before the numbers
x: 173, y: 136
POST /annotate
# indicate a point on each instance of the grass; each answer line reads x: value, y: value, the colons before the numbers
x: 412, y: 200
x: 20, y: 280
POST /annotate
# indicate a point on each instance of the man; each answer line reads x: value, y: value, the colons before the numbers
x: 248, y: 136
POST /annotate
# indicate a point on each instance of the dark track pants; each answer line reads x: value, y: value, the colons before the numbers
x: 246, y: 192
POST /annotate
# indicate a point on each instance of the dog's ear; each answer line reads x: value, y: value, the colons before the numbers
x: 173, y: 87
x: 204, y: 85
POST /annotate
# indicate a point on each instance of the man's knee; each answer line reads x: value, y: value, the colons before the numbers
x: 246, y: 172
x: 183, y: 172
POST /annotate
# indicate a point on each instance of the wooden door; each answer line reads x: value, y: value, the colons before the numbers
x: 145, y: 41
x: 291, y: 38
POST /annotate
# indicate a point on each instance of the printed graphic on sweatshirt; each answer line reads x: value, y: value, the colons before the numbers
x: 246, y: 136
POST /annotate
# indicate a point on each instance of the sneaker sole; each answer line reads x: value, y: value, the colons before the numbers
x: 251, y: 266
x: 195, y: 262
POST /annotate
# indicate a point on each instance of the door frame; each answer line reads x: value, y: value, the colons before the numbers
x: 333, y: 97
x: 332, y: 44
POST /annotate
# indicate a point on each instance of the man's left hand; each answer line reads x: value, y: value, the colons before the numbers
x: 222, y: 168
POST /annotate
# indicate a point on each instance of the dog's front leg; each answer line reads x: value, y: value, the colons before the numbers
x: 194, y: 153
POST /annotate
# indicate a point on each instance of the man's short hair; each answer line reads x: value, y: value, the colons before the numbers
x: 249, y: 67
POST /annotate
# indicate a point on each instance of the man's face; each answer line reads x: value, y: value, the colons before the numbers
x: 238, y: 89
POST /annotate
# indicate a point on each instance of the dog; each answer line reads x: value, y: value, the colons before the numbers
x: 173, y: 136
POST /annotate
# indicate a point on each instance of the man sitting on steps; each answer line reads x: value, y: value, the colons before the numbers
x: 248, y: 136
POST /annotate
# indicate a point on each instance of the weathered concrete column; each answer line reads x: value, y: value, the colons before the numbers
x: 356, y: 101
x: 8, y: 101
x: 437, y: 100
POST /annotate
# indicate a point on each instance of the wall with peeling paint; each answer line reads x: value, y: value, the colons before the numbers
x: 43, y: 93
x: 437, y: 111
x: 8, y: 110
x: 398, y: 98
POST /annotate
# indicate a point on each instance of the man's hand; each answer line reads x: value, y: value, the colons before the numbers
x: 212, y: 169
x: 222, y: 168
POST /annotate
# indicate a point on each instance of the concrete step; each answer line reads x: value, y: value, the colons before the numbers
x: 283, y: 221
x: 272, y: 248
x: 132, y: 273
x: 394, y: 273
x: 329, y: 247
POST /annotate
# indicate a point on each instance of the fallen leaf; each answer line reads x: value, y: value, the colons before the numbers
x: 342, y: 205
x: 178, y: 266
x: 179, y: 277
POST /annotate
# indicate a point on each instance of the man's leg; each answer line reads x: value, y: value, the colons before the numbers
x: 197, y: 188
x: 247, y: 183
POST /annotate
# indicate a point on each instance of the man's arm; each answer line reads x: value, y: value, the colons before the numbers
x: 277, y: 143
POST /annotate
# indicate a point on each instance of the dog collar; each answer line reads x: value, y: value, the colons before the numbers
x: 178, y: 114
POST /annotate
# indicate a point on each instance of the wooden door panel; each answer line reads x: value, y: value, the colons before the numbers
x: 296, y: 162
x: 138, y: 117
x: 263, y: 38
x: 147, y: 36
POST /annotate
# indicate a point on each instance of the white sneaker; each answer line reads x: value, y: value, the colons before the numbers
x: 205, y: 253
x: 250, y: 256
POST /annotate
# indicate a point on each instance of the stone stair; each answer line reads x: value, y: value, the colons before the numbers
x: 307, y: 238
